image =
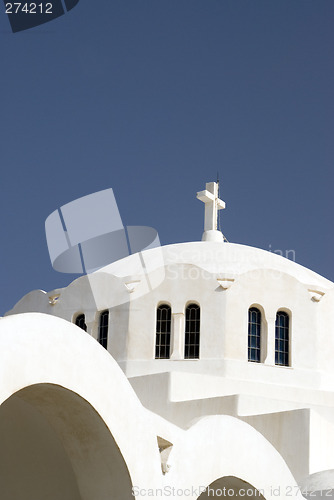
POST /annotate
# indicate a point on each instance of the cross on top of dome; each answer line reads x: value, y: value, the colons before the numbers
x: 213, y: 203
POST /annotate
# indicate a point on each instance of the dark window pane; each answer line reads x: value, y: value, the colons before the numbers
x: 254, y: 335
x: 282, y: 339
x: 192, y: 332
x: 103, y: 329
x: 81, y: 322
x: 163, y: 328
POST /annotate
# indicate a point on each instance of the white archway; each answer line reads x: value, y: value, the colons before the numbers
x: 230, y: 487
x: 226, y: 452
x: 74, y: 425
x: 54, y: 445
x: 74, y: 429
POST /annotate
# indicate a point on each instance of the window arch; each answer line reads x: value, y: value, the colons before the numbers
x: 103, y: 329
x: 163, y: 328
x: 254, y: 334
x: 192, y: 332
x: 80, y: 321
x: 282, y: 339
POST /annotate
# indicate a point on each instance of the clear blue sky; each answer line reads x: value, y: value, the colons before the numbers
x: 152, y: 98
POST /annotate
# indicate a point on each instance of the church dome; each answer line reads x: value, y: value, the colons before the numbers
x: 219, y: 257
x: 214, y: 328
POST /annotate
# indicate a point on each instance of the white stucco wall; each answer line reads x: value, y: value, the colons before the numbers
x: 65, y: 404
x: 225, y: 280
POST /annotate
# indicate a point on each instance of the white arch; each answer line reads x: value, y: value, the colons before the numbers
x: 41, y: 351
x: 223, y: 446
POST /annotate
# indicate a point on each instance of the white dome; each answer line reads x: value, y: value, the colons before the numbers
x: 215, y: 257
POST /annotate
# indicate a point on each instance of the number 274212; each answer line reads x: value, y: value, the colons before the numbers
x: 28, y: 8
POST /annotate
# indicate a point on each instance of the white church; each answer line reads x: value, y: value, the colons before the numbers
x: 193, y: 370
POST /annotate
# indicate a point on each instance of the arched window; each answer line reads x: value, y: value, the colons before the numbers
x: 254, y: 335
x: 80, y: 321
x: 192, y: 333
x: 162, y: 340
x: 282, y: 339
x: 103, y: 329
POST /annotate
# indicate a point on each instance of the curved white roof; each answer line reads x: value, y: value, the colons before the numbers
x: 227, y: 259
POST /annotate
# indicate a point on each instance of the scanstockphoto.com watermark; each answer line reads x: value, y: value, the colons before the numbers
x: 288, y: 254
x: 173, y: 492
x: 216, y: 262
x: 230, y: 492
x: 86, y: 235
x: 236, y: 254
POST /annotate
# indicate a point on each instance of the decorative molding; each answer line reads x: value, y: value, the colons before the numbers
x: 53, y: 299
x: 316, y: 295
x: 131, y: 285
x: 225, y: 283
x: 165, y: 447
